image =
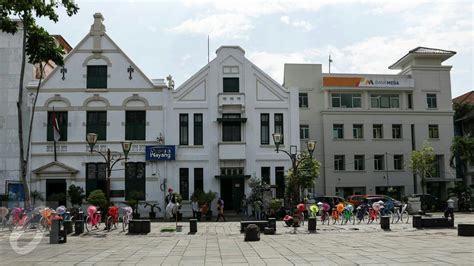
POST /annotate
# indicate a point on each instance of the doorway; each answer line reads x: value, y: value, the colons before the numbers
x: 232, y: 191
x: 55, y: 192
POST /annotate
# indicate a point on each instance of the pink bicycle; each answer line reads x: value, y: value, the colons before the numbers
x: 93, y: 219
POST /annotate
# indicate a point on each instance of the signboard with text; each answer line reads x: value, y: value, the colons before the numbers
x: 160, y: 153
x: 369, y: 82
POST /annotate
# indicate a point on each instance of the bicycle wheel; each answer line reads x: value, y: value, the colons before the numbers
x: 109, y: 223
x: 353, y: 218
x: 335, y: 219
x: 88, y: 224
x: 124, y: 223
x: 405, y: 217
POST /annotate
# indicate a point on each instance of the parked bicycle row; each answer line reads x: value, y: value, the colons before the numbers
x: 41, y: 218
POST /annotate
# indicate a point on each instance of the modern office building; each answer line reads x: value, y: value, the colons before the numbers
x: 367, y: 125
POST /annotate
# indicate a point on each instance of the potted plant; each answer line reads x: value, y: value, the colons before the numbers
x: 76, y: 195
x: 36, y: 196
x: 57, y: 198
x: 152, y: 209
x: 133, y: 201
x: 97, y: 198
x: 209, y: 197
x: 275, y: 205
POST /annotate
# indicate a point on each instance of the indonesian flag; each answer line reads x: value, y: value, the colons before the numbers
x: 55, y: 123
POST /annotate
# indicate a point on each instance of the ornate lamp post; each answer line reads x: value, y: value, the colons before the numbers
x: 296, y: 159
x: 110, y: 157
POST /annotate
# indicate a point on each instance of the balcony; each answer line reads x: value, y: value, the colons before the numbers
x: 230, y: 99
x: 232, y: 151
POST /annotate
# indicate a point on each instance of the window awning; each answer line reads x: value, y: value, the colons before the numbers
x: 241, y: 120
x: 232, y: 176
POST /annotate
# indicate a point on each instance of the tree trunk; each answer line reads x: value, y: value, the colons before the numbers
x: 19, y: 104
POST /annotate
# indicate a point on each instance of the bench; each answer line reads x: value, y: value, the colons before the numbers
x: 465, y: 229
x: 261, y: 224
x: 432, y: 222
x: 141, y: 227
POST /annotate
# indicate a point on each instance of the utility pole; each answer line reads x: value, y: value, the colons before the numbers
x: 330, y: 61
x: 386, y: 167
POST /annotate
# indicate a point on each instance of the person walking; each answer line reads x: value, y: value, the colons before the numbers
x: 195, y: 207
x: 220, y: 210
x: 258, y: 210
x: 244, y: 207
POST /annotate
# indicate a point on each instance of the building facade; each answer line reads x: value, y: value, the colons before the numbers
x: 99, y: 90
x: 464, y: 127
x: 367, y: 125
x: 221, y: 121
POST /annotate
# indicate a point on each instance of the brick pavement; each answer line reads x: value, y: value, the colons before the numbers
x: 222, y: 243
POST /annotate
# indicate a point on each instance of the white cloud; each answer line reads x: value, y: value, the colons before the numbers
x: 305, y: 25
x: 221, y: 25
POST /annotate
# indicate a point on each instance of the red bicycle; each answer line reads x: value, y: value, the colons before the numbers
x: 112, y: 217
x: 93, y: 219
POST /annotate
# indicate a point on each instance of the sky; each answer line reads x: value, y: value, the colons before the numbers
x: 366, y: 36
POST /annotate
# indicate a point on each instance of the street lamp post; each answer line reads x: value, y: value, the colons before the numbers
x: 296, y: 158
x: 110, y: 157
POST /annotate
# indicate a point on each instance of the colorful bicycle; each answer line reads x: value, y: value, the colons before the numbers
x: 336, y: 214
x: 112, y: 217
x: 362, y: 213
x: 348, y: 214
x: 127, y: 216
x: 324, y: 212
x: 93, y: 219
x: 374, y: 212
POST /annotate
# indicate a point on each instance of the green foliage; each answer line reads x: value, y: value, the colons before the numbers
x: 458, y: 189
x: 134, y: 199
x: 460, y: 110
x: 57, y: 197
x: 76, y: 195
x: 36, y: 195
x: 275, y: 204
x: 97, y: 198
x: 463, y: 148
x: 207, y: 198
x: 258, y: 186
x: 422, y: 163
x: 306, y: 172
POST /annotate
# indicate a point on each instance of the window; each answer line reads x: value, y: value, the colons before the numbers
x: 197, y: 129
x: 96, y: 177
x: 135, y: 179
x: 183, y: 129
x: 346, y: 100
x: 438, y: 161
x: 378, y: 162
x: 396, y: 131
x: 358, y: 131
x: 135, y: 123
x: 339, y: 164
x: 384, y: 101
x: 280, y: 182
x: 97, y: 123
x: 231, y: 129
x: 431, y: 100
x: 61, y: 117
x: 338, y: 131
x: 410, y: 101
x: 265, y: 173
x: 264, y: 129
x: 433, y: 131
x: 398, y: 162
x: 303, y: 100
x: 378, y: 131
x: 359, y: 162
x: 304, y: 132
x: 96, y: 77
x: 198, y: 179
x: 184, y: 183
x: 279, y: 125
x: 231, y: 85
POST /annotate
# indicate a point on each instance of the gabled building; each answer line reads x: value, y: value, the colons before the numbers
x: 99, y: 90
x: 222, y: 119
x: 367, y: 125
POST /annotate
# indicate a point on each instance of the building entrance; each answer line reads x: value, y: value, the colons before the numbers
x: 56, y: 192
x: 232, y: 191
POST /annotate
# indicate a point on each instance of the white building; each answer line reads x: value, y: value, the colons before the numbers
x: 221, y: 120
x: 99, y: 90
x: 366, y: 125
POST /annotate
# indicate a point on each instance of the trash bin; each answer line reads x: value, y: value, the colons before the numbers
x: 54, y: 233
x: 193, y: 226
x: 78, y: 227
x: 312, y: 224
x: 272, y: 223
x: 68, y: 226
x: 385, y: 222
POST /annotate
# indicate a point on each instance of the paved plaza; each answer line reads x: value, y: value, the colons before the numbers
x: 222, y: 243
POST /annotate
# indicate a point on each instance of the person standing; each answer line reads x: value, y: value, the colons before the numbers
x: 220, y: 210
x: 258, y: 210
x: 244, y: 207
x: 195, y: 207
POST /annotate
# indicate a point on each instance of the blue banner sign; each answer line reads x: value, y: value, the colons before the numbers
x: 160, y: 153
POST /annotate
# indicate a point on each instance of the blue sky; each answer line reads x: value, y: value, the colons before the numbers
x: 366, y: 36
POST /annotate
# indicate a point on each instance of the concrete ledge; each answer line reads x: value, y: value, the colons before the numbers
x: 432, y: 222
x: 260, y: 224
x: 465, y: 229
x: 139, y: 227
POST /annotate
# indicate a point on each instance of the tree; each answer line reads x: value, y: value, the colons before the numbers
x: 462, y: 148
x: 422, y: 163
x: 76, y: 195
x: 306, y: 172
x: 97, y: 198
x: 36, y: 196
x: 258, y: 186
x: 39, y: 46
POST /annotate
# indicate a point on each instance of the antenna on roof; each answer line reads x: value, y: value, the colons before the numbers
x: 330, y: 61
x: 208, y: 48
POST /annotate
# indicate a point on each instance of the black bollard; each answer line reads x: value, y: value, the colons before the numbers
x: 67, y: 226
x: 54, y: 233
x: 312, y: 225
x: 272, y: 223
x: 193, y: 226
x: 385, y: 222
x: 78, y: 227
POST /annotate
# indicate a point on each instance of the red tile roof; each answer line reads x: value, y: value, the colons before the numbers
x: 465, y: 98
